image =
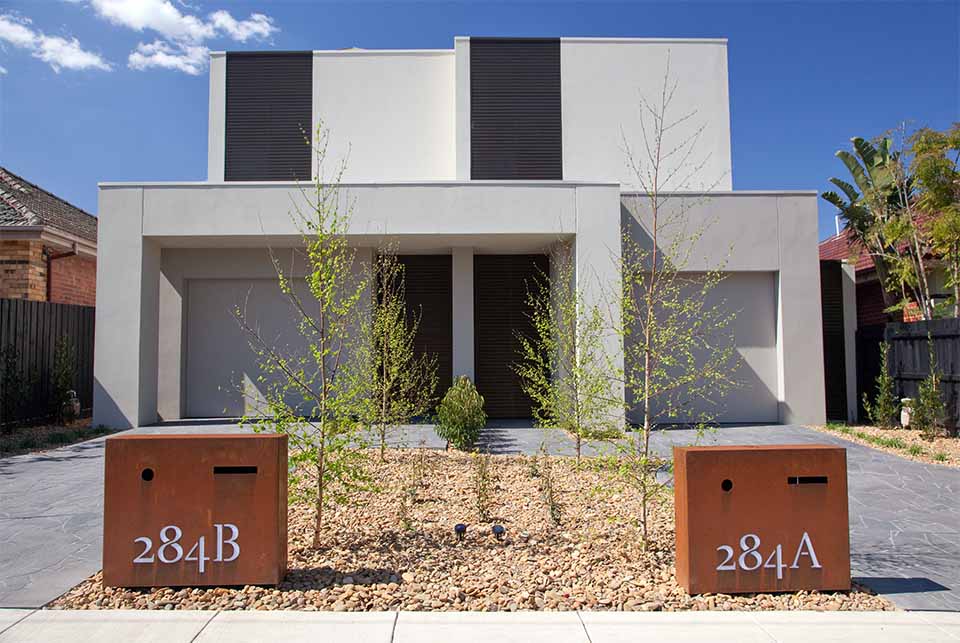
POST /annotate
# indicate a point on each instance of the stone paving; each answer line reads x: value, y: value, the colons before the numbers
x: 904, y: 515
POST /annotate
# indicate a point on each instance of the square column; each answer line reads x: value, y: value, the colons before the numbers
x: 463, y: 340
x: 128, y: 282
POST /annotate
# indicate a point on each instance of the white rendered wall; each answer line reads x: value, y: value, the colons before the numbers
x: 393, y: 112
x: 602, y: 81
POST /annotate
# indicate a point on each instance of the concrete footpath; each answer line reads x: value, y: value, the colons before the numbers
x: 465, y: 627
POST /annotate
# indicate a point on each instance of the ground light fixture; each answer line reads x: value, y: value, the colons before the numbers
x: 498, y: 531
x: 460, y: 530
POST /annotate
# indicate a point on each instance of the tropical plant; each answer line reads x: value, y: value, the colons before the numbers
x: 460, y: 416
x: 883, y: 411
x: 403, y: 382
x: 318, y: 395
x: 867, y: 207
x: 563, y: 367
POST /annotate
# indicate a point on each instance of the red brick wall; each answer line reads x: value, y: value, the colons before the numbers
x: 23, y: 270
x: 73, y: 280
x: 870, y: 305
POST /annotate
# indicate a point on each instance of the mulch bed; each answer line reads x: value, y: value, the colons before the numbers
x: 32, y: 439
x: 938, y: 450
x: 380, y: 556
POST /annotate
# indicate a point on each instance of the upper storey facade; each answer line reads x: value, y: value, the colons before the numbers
x: 501, y: 109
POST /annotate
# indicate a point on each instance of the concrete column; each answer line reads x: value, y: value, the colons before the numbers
x: 125, y: 353
x: 463, y: 341
x: 597, y: 264
x: 849, y: 290
x: 217, y: 118
x: 799, y: 322
x: 171, y: 360
x: 462, y: 48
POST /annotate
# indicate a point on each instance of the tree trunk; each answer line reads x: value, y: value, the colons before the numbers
x: 319, y: 521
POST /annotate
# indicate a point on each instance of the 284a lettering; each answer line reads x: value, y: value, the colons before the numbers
x: 750, y: 558
x: 170, y: 551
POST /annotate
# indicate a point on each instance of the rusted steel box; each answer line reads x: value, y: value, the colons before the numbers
x: 195, y: 510
x: 761, y: 518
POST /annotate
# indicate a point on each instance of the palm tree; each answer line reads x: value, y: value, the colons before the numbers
x: 869, y: 206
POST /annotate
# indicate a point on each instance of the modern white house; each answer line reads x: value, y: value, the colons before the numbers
x: 474, y: 162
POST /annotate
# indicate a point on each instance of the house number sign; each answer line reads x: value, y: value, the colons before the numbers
x: 750, y: 559
x: 170, y: 550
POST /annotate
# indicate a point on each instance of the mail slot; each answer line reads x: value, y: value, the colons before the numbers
x: 194, y: 510
x: 761, y: 518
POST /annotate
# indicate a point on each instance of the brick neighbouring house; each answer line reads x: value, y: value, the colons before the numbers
x: 48, y: 247
x: 870, y: 308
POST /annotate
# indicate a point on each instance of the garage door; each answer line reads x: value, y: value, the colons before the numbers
x: 220, y: 364
x: 752, y: 295
x: 500, y: 311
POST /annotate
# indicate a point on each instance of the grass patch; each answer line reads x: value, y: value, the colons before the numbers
x: 38, y: 438
x: 940, y: 456
x: 915, y: 449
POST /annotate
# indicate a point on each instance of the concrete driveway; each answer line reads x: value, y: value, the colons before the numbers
x: 904, y: 515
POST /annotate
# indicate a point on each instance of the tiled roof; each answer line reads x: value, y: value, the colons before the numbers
x: 24, y: 204
x: 841, y: 246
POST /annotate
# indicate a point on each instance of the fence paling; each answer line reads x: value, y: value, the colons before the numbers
x: 33, y: 328
x: 910, y: 358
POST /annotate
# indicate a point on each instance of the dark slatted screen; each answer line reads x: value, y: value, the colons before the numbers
x: 500, y: 310
x: 515, y: 130
x: 429, y: 290
x: 269, y: 109
x: 834, y: 363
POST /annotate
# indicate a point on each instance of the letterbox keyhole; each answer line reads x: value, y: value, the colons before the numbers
x: 727, y: 484
x: 147, y: 474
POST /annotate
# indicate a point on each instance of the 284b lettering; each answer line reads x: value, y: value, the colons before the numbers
x: 170, y: 551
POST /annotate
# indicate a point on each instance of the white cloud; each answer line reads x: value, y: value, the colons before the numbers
x: 181, y: 46
x: 156, y: 15
x: 256, y: 26
x: 190, y: 59
x: 58, y: 52
x: 3, y: 70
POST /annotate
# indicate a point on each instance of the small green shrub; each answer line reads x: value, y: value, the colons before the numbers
x: 940, y: 456
x: 929, y: 412
x: 883, y: 411
x: 61, y: 437
x: 460, y: 415
x: 27, y: 443
x: 915, y: 449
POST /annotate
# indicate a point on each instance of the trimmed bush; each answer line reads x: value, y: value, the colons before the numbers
x: 460, y: 415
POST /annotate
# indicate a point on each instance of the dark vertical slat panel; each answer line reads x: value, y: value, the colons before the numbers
x: 269, y: 108
x: 910, y: 359
x: 515, y: 109
x: 429, y: 293
x: 500, y: 311
x: 834, y: 361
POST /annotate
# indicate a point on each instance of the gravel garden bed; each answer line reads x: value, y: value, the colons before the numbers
x: 906, y: 443
x: 385, y: 553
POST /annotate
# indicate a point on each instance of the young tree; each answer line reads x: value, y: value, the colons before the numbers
x: 403, y: 382
x: 936, y: 170
x: 317, y: 394
x: 679, y: 350
x: 563, y: 367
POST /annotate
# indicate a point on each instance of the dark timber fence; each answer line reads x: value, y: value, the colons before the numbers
x: 32, y: 329
x: 910, y: 358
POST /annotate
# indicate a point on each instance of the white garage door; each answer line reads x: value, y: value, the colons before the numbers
x: 753, y: 296
x: 220, y: 362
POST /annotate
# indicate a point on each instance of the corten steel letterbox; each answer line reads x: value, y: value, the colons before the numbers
x: 195, y: 510
x: 761, y: 518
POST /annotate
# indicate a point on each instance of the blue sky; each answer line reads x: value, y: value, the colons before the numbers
x: 98, y: 90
